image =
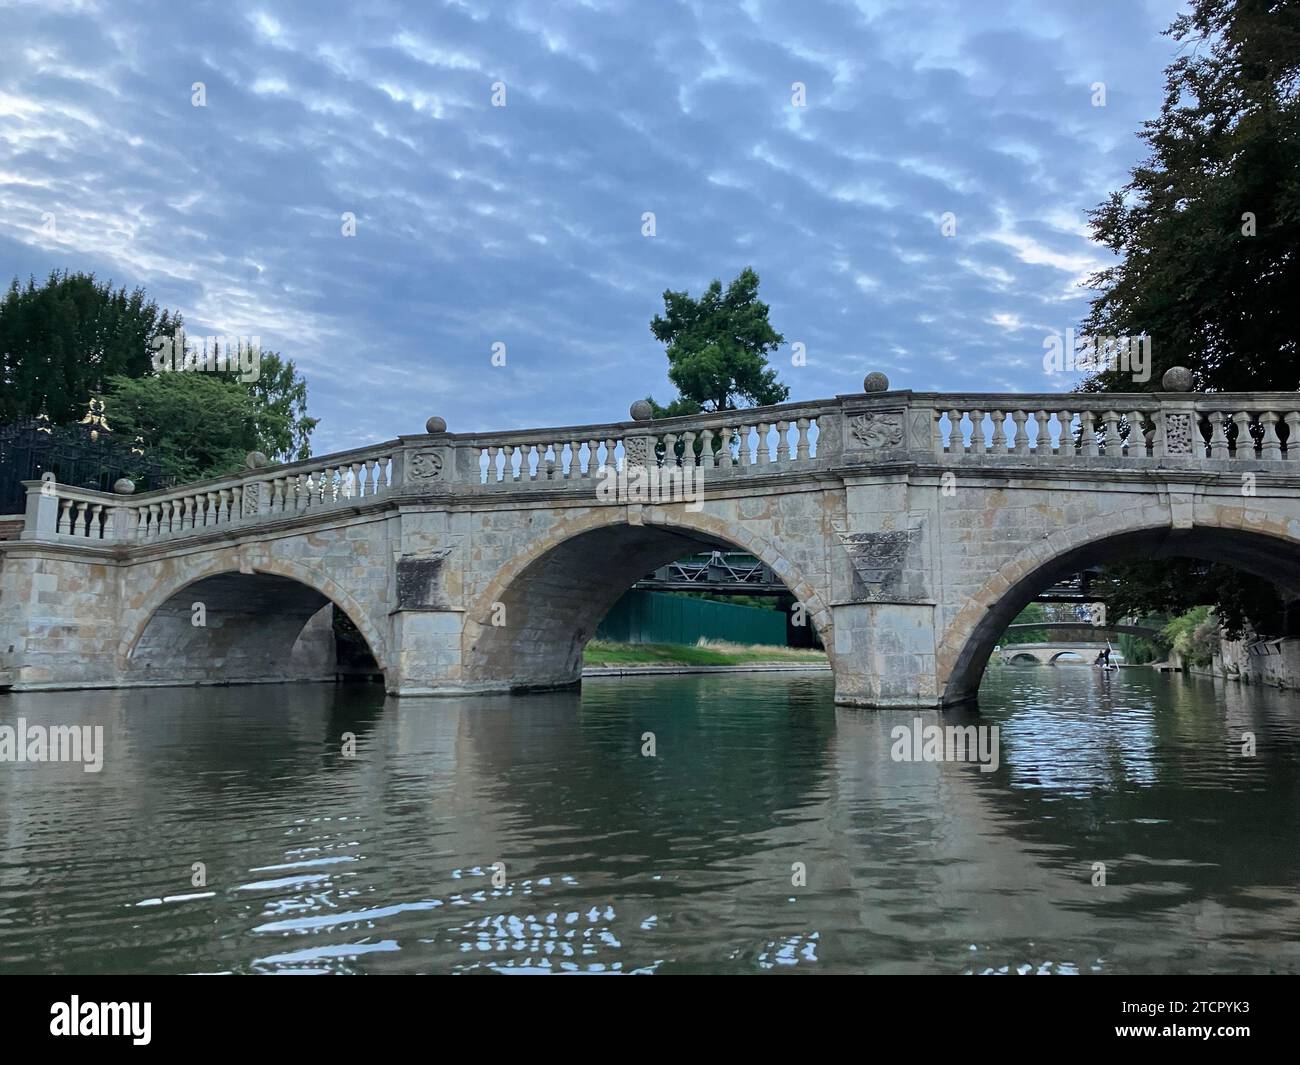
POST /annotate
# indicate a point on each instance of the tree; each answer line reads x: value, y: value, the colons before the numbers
x: 1241, y: 601
x: 194, y: 424
x: 717, y: 348
x: 1209, y: 225
x: 281, y: 395
x: 61, y: 342
x: 198, y: 424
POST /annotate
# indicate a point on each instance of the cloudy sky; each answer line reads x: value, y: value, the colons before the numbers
x: 523, y: 224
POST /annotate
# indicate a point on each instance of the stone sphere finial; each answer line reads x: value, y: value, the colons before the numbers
x: 124, y: 486
x: 641, y: 411
x: 255, y: 459
x: 875, y: 382
x: 1177, y: 379
x: 435, y: 425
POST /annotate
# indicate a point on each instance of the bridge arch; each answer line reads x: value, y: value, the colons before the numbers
x: 549, y: 600
x: 294, y: 591
x: 1249, y: 540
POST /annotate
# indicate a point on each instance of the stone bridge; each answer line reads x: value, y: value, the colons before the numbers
x: 910, y: 527
x: 1047, y: 654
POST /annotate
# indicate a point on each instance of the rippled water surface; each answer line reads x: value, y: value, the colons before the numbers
x: 618, y: 862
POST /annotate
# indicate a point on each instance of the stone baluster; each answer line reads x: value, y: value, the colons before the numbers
x: 1245, y: 444
x: 998, y: 445
x: 1088, y: 429
x: 94, y: 526
x: 707, y: 456
x: 1292, y: 440
x: 1043, y: 441
x: 801, y: 445
x: 1064, y: 434
x: 1020, y: 419
x: 742, y: 434
x: 763, y: 452
x: 978, y: 443
x: 1110, y: 437
x: 782, y: 441
x: 508, y: 463
x: 670, y: 449
x: 237, y: 502
x: 956, y: 441
x: 1218, y: 438
x: 491, y: 471
x: 223, y: 506
x: 65, y: 517
x: 688, y: 453
x: 724, y: 448
x: 1270, y: 447
x: 1135, y: 444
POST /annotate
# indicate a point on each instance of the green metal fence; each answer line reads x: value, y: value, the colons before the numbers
x: 656, y: 617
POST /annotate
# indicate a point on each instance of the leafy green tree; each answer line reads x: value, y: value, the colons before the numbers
x: 717, y: 348
x: 197, y: 424
x: 1194, y: 635
x: 194, y: 424
x: 1209, y: 225
x: 61, y: 341
x: 1033, y: 614
x: 1208, y: 228
x: 1175, y: 586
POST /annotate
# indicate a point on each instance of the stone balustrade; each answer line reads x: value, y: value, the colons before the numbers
x: 847, y: 433
x: 1100, y: 426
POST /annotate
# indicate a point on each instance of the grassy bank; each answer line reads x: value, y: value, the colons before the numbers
x: 704, y: 653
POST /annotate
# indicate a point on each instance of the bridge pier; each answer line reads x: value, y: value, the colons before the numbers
x: 883, y: 654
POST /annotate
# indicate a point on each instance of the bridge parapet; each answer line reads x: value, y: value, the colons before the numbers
x: 1175, y: 429
x: 1104, y: 431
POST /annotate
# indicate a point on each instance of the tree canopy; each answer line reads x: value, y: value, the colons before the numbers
x: 1208, y: 228
x: 73, y: 338
x: 717, y: 348
x: 61, y: 341
x: 1208, y: 225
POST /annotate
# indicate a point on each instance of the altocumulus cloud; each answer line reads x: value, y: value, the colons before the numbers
x: 523, y: 224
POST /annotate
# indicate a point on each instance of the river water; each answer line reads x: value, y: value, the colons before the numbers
x: 608, y: 859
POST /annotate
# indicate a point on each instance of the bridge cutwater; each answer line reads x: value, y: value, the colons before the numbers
x: 910, y: 527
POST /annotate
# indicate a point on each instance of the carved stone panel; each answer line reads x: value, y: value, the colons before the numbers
x: 425, y: 466
x: 880, y: 564
x: 252, y: 493
x: 1178, y: 434
x: 419, y: 581
x: 878, y: 430
x: 636, y: 452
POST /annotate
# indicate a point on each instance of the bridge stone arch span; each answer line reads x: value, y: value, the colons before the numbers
x: 1250, y: 540
x: 275, y: 597
x: 913, y: 525
x: 1048, y: 654
x: 548, y: 600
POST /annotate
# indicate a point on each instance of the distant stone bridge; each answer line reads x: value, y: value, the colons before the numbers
x: 1048, y: 654
x: 910, y: 527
